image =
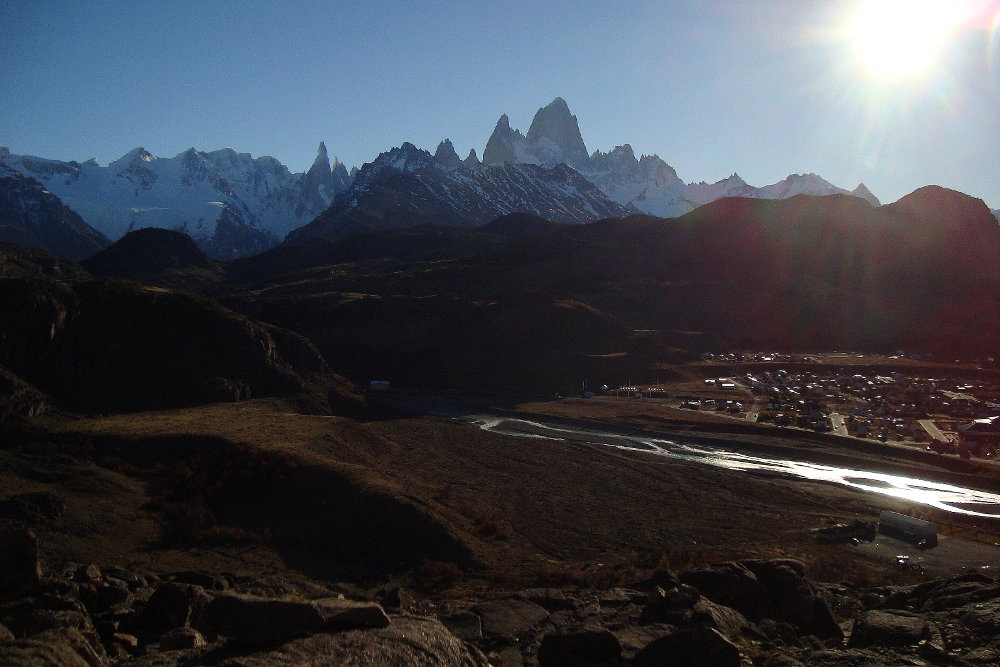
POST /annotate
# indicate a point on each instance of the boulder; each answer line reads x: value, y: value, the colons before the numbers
x: 180, y: 639
x: 88, y: 573
x: 732, y: 585
x: 983, y: 617
x: 20, y: 568
x: 207, y: 581
x: 552, y: 599
x: 40, y: 653
x: 824, y: 622
x: 398, y: 599
x: 729, y: 622
x: 792, y: 595
x: 634, y: 638
x: 686, y: 647
x: 413, y: 641
x: 175, y: 605
x: 339, y: 613
x: 251, y: 619
x: 465, y: 625
x: 509, y: 617
x: 958, y: 592
x: 675, y: 605
x: 583, y: 647
x: 879, y: 627
x: 63, y: 646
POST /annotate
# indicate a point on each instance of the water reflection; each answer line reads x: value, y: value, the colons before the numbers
x: 945, y: 497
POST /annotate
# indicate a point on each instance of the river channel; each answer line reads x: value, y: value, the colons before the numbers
x: 947, y: 497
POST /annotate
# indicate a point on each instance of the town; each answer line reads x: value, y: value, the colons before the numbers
x: 947, y: 414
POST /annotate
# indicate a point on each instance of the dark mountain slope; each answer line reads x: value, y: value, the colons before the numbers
x: 535, y: 339
x: 832, y: 270
x: 32, y: 216
x: 112, y: 346
x: 423, y: 243
x: 156, y: 257
x: 18, y: 261
x: 797, y: 274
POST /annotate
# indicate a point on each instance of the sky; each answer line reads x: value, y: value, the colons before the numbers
x: 763, y: 88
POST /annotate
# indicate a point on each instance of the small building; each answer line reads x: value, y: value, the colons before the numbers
x: 908, y: 528
x: 379, y: 385
x: 981, y: 436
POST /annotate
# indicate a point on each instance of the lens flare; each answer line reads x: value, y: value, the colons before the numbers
x: 903, y: 38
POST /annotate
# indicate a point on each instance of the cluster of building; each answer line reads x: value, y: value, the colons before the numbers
x: 732, y: 357
x: 954, y: 416
x: 948, y: 415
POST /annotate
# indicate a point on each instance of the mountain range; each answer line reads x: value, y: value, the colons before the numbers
x: 234, y: 205
x: 230, y: 203
x: 523, y: 303
x: 407, y: 186
x: 648, y: 184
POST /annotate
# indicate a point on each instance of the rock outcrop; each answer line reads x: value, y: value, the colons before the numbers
x: 90, y: 615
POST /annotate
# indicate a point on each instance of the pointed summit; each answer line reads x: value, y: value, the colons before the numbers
x: 505, y: 145
x: 133, y: 157
x: 554, y: 136
x: 472, y: 161
x: 318, y: 184
x: 322, y: 160
x: 866, y: 194
x: 341, y: 179
x: 446, y: 156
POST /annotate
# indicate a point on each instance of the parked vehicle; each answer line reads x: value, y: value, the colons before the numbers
x: 908, y: 528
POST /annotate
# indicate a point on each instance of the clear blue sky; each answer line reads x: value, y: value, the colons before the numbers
x: 760, y: 87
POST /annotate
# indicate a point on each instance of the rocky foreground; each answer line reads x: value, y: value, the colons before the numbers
x: 750, y: 612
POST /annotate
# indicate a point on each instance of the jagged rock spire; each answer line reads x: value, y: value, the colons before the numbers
x: 472, y: 161
x: 446, y: 156
x: 554, y: 136
x: 505, y: 145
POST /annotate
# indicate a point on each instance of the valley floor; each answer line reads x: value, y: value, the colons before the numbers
x: 506, y: 510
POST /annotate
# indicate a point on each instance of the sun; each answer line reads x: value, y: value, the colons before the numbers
x: 902, y: 38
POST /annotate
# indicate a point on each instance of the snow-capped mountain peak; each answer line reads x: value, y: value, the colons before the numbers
x: 799, y: 184
x: 648, y: 184
x: 231, y: 203
x: 136, y: 156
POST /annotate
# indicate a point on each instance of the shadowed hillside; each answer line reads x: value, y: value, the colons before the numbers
x: 796, y: 274
x: 109, y: 346
x: 156, y: 257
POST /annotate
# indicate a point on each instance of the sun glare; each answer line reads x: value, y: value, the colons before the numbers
x: 902, y: 38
